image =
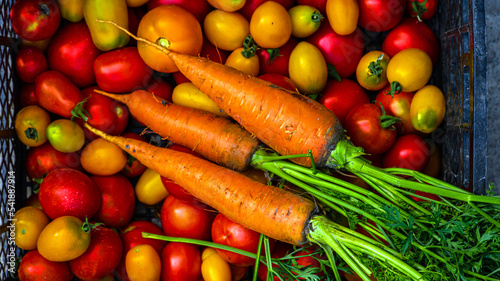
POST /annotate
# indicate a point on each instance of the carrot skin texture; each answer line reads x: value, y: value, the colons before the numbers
x: 218, y: 139
x: 273, y: 211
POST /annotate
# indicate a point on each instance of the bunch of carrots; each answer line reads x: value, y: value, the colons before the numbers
x: 299, y: 141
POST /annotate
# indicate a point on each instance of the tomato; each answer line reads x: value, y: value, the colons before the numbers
x: 227, y: 5
x: 410, y: 68
x: 43, y: 45
x: 101, y: 257
x: 181, y: 262
x: 343, y: 15
x: 68, y: 192
x: 35, y: 20
x: 211, y: 52
x: 226, y: 30
x: 65, y: 135
x: 409, y: 152
x: 230, y: 233
x: 380, y: 15
x: 143, y: 263
x: 149, y: 189
x: 214, y: 267
x: 199, y: 8
x: 281, y: 249
x: 56, y: 93
x: 170, y: 26
x: 72, y: 53
x: 247, y: 63
x: 134, y: 167
x: 410, y: 33
x: 427, y: 109
x: 131, y: 235
x: 305, y: 20
x: 71, y: 10
x: 280, y: 80
x: 30, y: 61
x: 45, y: 158
x: 367, y: 130
x: 186, y: 219
x: 433, y: 168
x: 31, y: 124
x: 371, y: 71
x: 102, y: 158
x: 27, y: 95
x: 308, y: 68
x: 398, y: 105
x: 135, y: 15
x: 121, y: 70
x: 270, y: 25
x: 423, y: 10
x: 341, y: 51
x: 305, y: 258
x: 276, y: 60
x: 160, y: 88
x: 342, y: 96
x: 63, y: 239
x: 30, y: 221
x: 187, y: 94
x: 251, y: 5
x: 34, y: 267
x: 118, y: 200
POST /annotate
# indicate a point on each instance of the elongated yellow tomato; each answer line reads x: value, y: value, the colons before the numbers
x: 270, y: 25
x: 305, y: 20
x: 371, y: 71
x: 427, y: 109
x: 187, y: 94
x: 102, y: 158
x: 214, y: 267
x: 63, y: 239
x: 65, y: 135
x: 71, y: 10
x: 307, y: 68
x: 149, y: 189
x: 226, y: 30
x: 243, y: 61
x: 30, y: 221
x: 342, y: 15
x: 31, y: 124
x: 411, y: 68
x: 227, y: 5
x: 143, y: 263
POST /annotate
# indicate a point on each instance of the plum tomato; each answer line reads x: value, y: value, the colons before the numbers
x: 410, y: 69
x: 30, y: 221
x: 149, y: 188
x: 343, y: 15
x: 409, y: 152
x: 35, y: 20
x: 180, y: 262
x: 427, y: 109
x: 34, y: 266
x: 371, y: 72
x: 380, y: 15
x: 398, y: 105
x: 270, y: 25
x: 214, y: 267
x: 31, y: 124
x: 65, y: 135
x: 226, y: 30
x: 143, y: 263
x: 307, y: 68
x: 30, y: 61
x: 102, y: 158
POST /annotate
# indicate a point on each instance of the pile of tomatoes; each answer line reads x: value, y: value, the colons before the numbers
x: 368, y: 61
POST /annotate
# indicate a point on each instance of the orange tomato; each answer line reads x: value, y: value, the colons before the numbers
x: 371, y: 71
x: 343, y: 15
x: 239, y: 60
x: 308, y: 68
x: 30, y: 221
x: 31, y: 123
x: 270, y: 25
x: 102, y: 158
x: 143, y: 263
x: 226, y: 30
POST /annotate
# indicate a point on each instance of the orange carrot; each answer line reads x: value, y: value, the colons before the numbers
x: 218, y: 139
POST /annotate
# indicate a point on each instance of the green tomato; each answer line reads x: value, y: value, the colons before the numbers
x: 65, y: 135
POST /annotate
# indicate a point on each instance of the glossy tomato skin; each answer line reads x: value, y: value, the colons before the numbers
x: 72, y: 53
x: 68, y: 192
x: 31, y: 123
x: 270, y: 25
x: 380, y: 15
x: 399, y: 106
x: 276, y: 60
x: 142, y: 262
x: 101, y: 257
x: 121, y: 70
x: 30, y: 221
x: 45, y: 158
x: 34, y: 267
x: 65, y: 135
x: 181, y: 262
x: 35, y: 20
x: 409, y: 152
x: 30, y: 61
x: 102, y: 158
x: 427, y: 13
x: 308, y: 68
x: 214, y: 267
x: 199, y: 8
x: 226, y: 30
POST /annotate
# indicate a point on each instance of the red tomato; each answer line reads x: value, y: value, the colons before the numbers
x: 68, y: 192
x: 35, y: 20
x: 398, y: 106
x: 134, y: 167
x: 409, y: 152
x: 72, y: 52
x: 280, y: 80
x: 423, y: 10
x: 118, y: 200
x: 30, y: 61
x: 305, y: 260
x: 199, y: 8
x: 230, y: 233
x: 180, y: 262
x: 45, y: 158
x: 34, y: 267
x: 318, y: 4
x: 411, y: 33
x: 101, y: 257
x: 250, y: 6
x: 364, y: 127
x: 343, y: 52
x: 121, y: 70
x: 27, y: 95
x: 56, y: 93
x: 341, y: 97
x: 160, y: 88
x: 380, y: 15
x: 276, y: 60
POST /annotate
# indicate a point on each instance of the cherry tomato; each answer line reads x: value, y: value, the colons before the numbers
x: 187, y: 94
x: 427, y: 109
x: 398, y: 105
x: 270, y: 25
x: 35, y: 267
x: 30, y: 61
x: 276, y: 60
x: 214, y: 267
x: 45, y: 158
x: 409, y: 152
x: 423, y: 10
x: 411, y: 68
x: 170, y: 26
x: 251, y: 5
x: 371, y: 71
x: 238, y: 59
x: 65, y: 135
x: 308, y: 68
x: 35, y: 20
x: 149, y: 189
x: 199, y: 8
x: 343, y: 15
x: 181, y: 262
x: 30, y: 221
x: 143, y: 263
x: 226, y: 30
x: 31, y: 124
x: 280, y: 80
x: 380, y: 15
x: 134, y: 167
x: 102, y: 158
x: 305, y: 20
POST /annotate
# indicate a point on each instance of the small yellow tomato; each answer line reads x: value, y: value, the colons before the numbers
x: 187, y: 94
x: 214, y: 267
x: 411, y: 68
x: 342, y: 15
x: 30, y: 221
x: 31, y: 124
x: 270, y: 25
x: 227, y: 5
x: 305, y: 20
x: 226, y: 30
x: 244, y: 61
x: 102, y: 158
x: 427, y: 109
x: 307, y: 68
x: 143, y: 263
x: 371, y: 71
x: 65, y: 135
x: 71, y: 10
x: 149, y: 189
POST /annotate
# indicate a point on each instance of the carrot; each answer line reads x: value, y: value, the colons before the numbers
x: 219, y: 140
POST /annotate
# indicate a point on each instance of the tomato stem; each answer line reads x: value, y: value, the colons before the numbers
x: 375, y: 68
x: 316, y: 16
x: 419, y: 8
x: 80, y: 112
x: 332, y: 71
x: 87, y: 226
x: 396, y: 88
x: 31, y: 133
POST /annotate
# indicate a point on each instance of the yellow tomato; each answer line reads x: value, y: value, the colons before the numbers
x: 227, y: 5
x: 71, y: 10
x: 305, y: 20
x: 342, y: 15
x: 143, y: 263
x: 30, y: 221
x: 371, y: 71
x: 65, y: 135
x: 411, y: 68
x: 149, y: 189
x: 31, y: 124
x: 187, y: 94
x: 102, y: 158
x: 270, y: 25
x: 226, y: 30
x: 427, y: 109
x: 237, y: 59
x: 307, y: 68
x: 214, y: 267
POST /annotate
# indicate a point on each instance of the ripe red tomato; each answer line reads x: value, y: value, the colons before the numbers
x: 45, y: 158
x: 68, y: 192
x: 35, y: 20
x: 160, y: 88
x: 27, y: 95
x: 398, y: 106
x: 180, y: 262
x: 276, y: 60
x: 30, y: 61
x: 34, y: 267
x: 380, y: 15
x: 101, y: 257
x: 199, y: 8
x: 250, y: 6
x: 72, y: 52
x: 409, y: 152
x: 423, y: 10
x: 280, y: 80
x: 364, y: 127
x: 318, y: 4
